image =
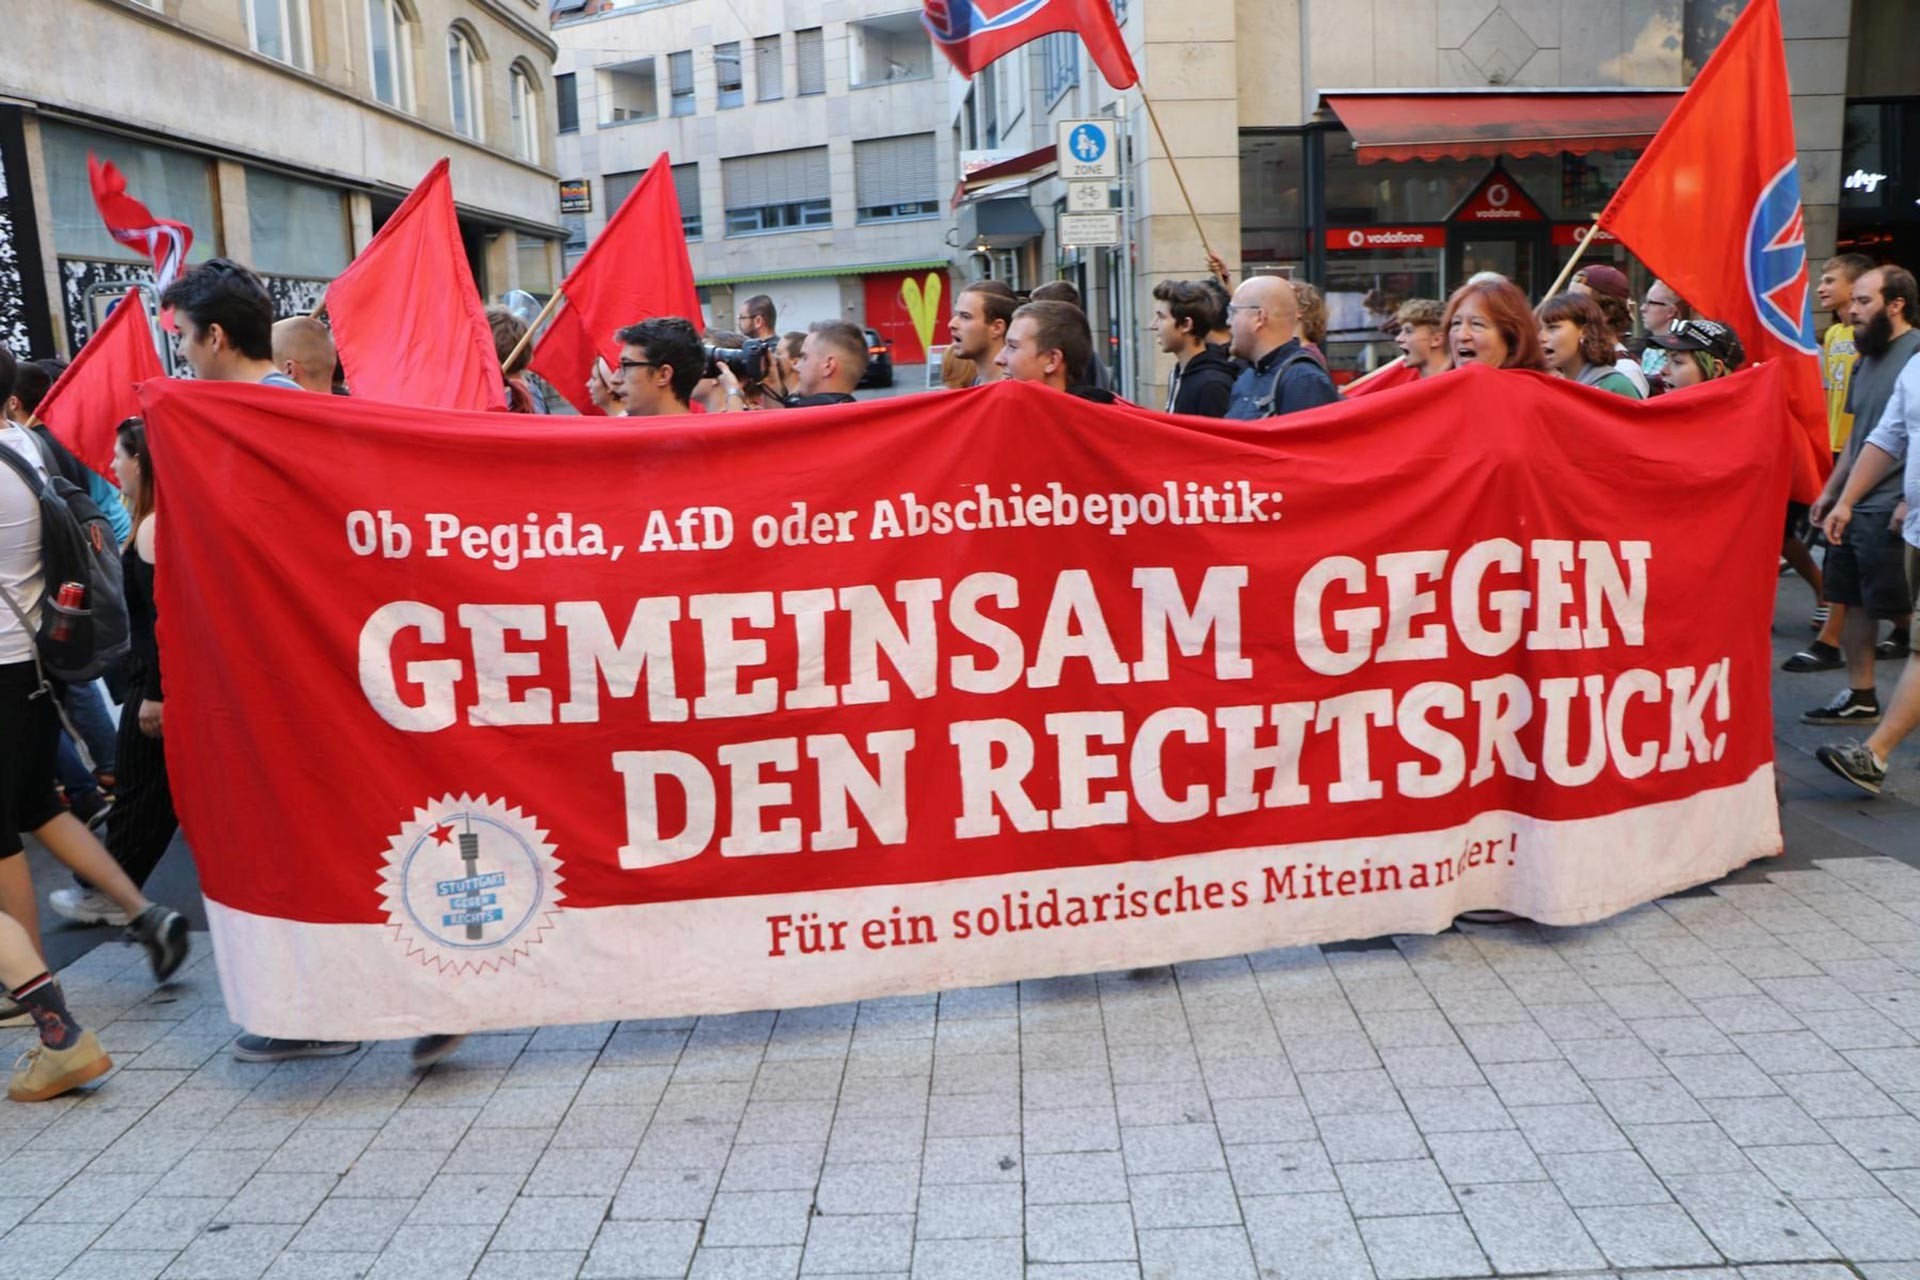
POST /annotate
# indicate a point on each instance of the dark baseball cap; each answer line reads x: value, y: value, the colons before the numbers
x: 1603, y: 279
x: 1710, y: 336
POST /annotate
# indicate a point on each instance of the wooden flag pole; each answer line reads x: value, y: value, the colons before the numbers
x: 526, y: 339
x: 1580, y: 248
x: 1175, y: 165
x: 319, y: 308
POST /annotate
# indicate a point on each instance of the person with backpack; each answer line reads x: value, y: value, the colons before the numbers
x: 1282, y: 375
x: 61, y: 616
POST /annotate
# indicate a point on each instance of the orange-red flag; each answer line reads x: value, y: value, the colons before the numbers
x: 1713, y: 209
x: 86, y: 406
x: 636, y: 269
x: 407, y: 318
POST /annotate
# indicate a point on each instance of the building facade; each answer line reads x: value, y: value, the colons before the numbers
x: 809, y: 146
x: 1386, y: 149
x: 284, y: 132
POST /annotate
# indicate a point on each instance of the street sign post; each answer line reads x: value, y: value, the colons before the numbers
x: 1088, y: 230
x: 1086, y: 149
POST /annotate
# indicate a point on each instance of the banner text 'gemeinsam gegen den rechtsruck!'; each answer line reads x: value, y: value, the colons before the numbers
x: 578, y: 720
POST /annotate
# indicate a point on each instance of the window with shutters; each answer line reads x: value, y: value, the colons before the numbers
x: 895, y: 178
x: 616, y: 187
x: 680, y: 79
x: 1062, y: 51
x: 729, y: 85
x: 779, y: 191
x: 566, y: 100
x: 767, y: 81
x: 810, y: 61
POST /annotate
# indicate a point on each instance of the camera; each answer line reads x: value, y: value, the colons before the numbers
x: 750, y: 363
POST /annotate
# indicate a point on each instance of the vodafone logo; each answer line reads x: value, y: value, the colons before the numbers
x: 1351, y: 239
x: 1498, y: 194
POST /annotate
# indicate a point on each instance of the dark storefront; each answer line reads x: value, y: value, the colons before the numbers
x: 1390, y: 196
x: 1880, y: 180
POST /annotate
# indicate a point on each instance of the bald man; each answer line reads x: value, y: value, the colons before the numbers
x: 1281, y: 376
x: 303, y: 350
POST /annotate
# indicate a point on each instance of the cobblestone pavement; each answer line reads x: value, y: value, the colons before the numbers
x: 1727, y: 1078
x: 1724, y: 1085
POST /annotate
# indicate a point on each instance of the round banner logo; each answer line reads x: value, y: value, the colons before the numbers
x: 470, y: 884
x: 1777, y: 262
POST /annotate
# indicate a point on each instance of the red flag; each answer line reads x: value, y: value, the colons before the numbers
x: 96, y: 393
x: 129, y: 222
x: 1397, y: 374
x: 406, y: 316
x: 636, y: 269
x: 973, y: 33
x: 1713, y: 209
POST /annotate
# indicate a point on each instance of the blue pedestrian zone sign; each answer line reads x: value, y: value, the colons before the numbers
x: 1086, y: 149
x: 1087, y: 143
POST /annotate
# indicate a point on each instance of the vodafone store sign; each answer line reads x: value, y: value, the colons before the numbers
x: 1362, y: 239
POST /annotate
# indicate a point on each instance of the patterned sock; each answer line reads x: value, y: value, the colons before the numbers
x: 43, y: 998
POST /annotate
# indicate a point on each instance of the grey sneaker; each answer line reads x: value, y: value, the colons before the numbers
x: 1856, y: 764
x: 1849, y: 706
x: 163, y: 932
x: 252, y: 1048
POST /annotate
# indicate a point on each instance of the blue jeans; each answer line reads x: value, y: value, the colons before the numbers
x: 86, y: 706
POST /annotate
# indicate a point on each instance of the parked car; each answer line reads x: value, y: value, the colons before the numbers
x: 879, y: 361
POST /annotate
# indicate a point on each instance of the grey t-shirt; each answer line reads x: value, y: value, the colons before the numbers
x: 1867, y: 396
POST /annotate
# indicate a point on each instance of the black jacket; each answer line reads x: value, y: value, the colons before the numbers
x: 1204, y: 384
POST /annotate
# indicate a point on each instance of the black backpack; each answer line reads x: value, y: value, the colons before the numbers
x: 76, y: 546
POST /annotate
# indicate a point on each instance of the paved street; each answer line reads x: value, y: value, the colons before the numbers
x: 1723, y: 1082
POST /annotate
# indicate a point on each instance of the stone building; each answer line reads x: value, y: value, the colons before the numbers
x: 810, y: 149
x: 1389, y: 148
x: 283, y: 131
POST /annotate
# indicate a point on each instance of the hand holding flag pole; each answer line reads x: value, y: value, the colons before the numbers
x: 1579, y: 250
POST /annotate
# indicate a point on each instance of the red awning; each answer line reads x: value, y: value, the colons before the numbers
x: 1469, y: 125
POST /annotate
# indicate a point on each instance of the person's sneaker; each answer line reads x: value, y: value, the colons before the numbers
x: 13, y: 1014
x: 1856, y: 763
x: 1850, y: 706
x: 43, y: 1073
x: 163, y: 932
x: 86, y: 906
x: 1817, y: 656
x: 428, y: 1050
x: 1894, y: 647
x: 252, y: 1048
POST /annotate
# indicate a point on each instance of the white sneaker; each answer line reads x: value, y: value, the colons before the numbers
x: 86, y: 906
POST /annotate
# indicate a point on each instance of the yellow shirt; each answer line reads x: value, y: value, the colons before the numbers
x: 1837, y: 357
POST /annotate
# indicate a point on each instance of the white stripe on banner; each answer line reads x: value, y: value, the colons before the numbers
x: 359, y: 981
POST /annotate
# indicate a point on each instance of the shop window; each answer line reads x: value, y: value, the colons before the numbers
x: 299, y: 228
x: 536, y: 266
x: 1570, y: 188
x: 174, y: 184
x: 1416, y: 191
x: 1272, y: 169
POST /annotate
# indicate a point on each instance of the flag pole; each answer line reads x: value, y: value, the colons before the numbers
x: 1579, y: 248
x: 319, y: 308
x: 1175, y: 164
x: 526, y: 339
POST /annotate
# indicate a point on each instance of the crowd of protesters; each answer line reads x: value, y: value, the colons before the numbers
x: 97, y: 797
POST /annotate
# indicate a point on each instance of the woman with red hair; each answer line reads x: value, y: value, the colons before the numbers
x: 1491, y: 323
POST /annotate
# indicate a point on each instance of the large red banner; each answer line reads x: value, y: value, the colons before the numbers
x: 472, y: 725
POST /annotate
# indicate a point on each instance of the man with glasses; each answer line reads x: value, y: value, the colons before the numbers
x: 660, y: 361
x: 756, y: 317
x: 1282, y: 375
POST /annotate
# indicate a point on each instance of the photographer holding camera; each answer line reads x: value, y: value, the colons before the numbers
x: 660, y: 362
x: 833, y: 359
